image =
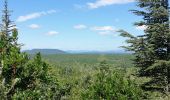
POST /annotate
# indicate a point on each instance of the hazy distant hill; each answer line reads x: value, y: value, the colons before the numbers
x: 121, y: 51
x: 45, y: 51
x: 57, y: 51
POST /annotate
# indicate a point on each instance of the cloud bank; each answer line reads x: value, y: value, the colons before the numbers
x: 101, y: 3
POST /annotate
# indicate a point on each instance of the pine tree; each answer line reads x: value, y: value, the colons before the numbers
x: 19, y: 76
x: 154, y: 46
x: 5, y: 37
x: 10, y: 56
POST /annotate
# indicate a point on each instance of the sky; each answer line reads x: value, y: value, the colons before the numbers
x: 73, y: 24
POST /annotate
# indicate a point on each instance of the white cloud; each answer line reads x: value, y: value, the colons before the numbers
x: 101, y: 3
x: 34, y: 15
x: 34, y: 26
x: 143, y: 27
x: 51, y: 33
x: 105, y: 30
x: 80, y: 26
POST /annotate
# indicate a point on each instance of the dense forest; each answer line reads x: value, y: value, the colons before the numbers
x: 142, y: 75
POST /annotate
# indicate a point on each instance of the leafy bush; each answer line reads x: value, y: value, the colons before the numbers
x: 111, y: 85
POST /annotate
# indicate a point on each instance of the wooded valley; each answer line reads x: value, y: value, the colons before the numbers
x: 141, y: 74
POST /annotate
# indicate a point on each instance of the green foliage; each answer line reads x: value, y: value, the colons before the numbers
x: 20, y: 77
x: 80, y: 77
x: 111, y: 85
x: 154, y: 45
x: 2, y: 93
x: 32, y: 81
x: 160, y: 72
x: 89, y: 60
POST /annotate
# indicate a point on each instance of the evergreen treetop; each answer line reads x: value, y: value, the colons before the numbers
x: 154, y: 45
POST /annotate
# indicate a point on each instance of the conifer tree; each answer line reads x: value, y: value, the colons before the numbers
x: 6, y: 38
x: 10, y: 56
x: 19, y: 76
x: 153, y: 48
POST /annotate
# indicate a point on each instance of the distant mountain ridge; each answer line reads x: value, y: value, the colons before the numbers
x: 45, y: 51
x: 57, y: 51
x: 97, y: 52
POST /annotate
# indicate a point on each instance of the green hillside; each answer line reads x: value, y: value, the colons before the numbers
x: 45, y: 51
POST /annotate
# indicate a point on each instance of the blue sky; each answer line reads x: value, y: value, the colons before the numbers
x: 73, y: 24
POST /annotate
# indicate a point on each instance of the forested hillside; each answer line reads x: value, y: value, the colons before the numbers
x: 45, y: 51
x: 142, y: 75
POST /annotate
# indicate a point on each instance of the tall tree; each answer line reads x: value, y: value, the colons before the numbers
x: 5, y: 37
x: 153, y: 47
x: 10, y: 56
x: 21, y: 77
